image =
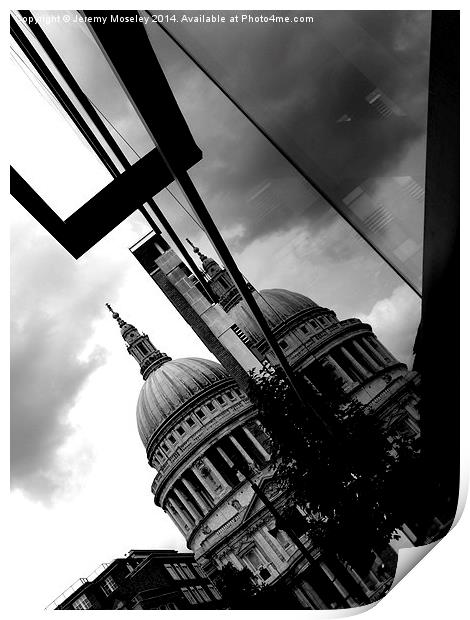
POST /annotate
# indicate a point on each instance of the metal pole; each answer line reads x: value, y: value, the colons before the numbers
x: 194, y: 199
x: 154, y: 208
x: 74, y: 86
x: 91, y: 138
x: 46, y: 74
x: 281, y: 521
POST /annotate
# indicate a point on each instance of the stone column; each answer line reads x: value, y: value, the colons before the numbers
x: 187, y: 505
x: 268, y: 551
x: 360, y: 369
x: 226, y: 458
x: 274, y: 544
x: 242, y: 451
x: 256, y: 443
x: 217, y: 478
x: 377, y: 353
x: 178, y: 518
x: 215, y: 471
x: 196, y: 496
x: 387, y: 355
x: 186, y: 523
x: 336, y: 582
x: 229, y: 462
x: 366, y: 356
x: 358, y: 579
x: 235, y: 561
x: 342, y: 373
x: 373, y: 352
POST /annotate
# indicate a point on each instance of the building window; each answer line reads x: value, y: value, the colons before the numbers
x: 220, y: 399
x: 189, y: 596
x: 303, y: 329
x: 142, y: 348
x: 197, y: 595
x: 205, y: 597
x: 109, y: 585
x: 210, y: 406
x: 254, y: 558
x: 180, y: 430
x: 82, y: 602
x: 199, y: 570
x: 164, y: 446
x: 167, y: 606
x: 190, y: 422
x: 172, y: 571
x: 159, y: 455
x: 172, y: 439
x: 238, y: 392
x: 180, y: 571
x: 215, y: 593
x: 200, y: 414
x: 231, y: 395
x: 187, y: 571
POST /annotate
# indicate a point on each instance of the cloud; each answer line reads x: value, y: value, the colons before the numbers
x: 395, y: 321
x: 54, y: 303
x: 252, y: 193
x: 315, y: 82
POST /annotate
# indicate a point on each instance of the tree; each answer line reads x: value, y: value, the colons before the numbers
x: 237, y: 586
x: 351, y: 484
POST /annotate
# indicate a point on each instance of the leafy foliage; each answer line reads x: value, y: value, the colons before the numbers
x: 350, y: 484
x: 237, y: 586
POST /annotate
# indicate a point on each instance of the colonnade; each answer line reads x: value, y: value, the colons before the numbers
x: 356, y: 360
x: 212, y: 476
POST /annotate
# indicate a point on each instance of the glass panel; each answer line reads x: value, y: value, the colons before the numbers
x: 264, y: 206
x: 76, y: 45
x: 51, y: 155
x: 347, y: 102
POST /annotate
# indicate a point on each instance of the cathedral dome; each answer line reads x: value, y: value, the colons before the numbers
x: 277, y: 304
x: 171, y: 386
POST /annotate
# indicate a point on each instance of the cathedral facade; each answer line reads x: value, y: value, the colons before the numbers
x: 200, y: 430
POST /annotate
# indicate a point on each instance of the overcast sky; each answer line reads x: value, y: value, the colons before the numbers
x: 80, y: 481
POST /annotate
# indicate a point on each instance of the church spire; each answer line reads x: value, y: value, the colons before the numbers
x: 116, y: 316
x: 220, y: 281
x: 196, y: 250
x: 140, y: 347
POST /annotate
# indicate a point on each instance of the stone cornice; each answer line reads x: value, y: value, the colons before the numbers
x: 223, y: 422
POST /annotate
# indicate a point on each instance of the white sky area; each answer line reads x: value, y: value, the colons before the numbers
x: 106, y: 507
x: 96, y: 477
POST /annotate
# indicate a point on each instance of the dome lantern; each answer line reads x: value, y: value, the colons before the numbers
x: 140, y: 347
x: 220, y: 281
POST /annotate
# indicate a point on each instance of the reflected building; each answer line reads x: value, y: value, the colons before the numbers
x: 387, y: 211
x: 199, y: 427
